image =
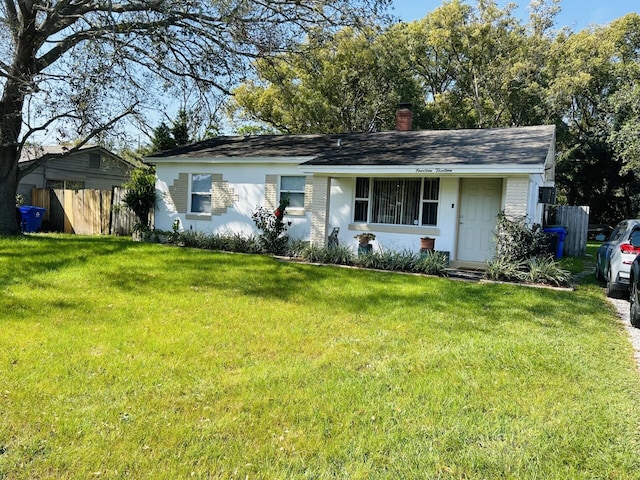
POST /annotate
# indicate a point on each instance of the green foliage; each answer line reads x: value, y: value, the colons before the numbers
x: 522, y: 255
x: 340, y: 255
x: 595, y: 96
x: 166, y: 137
x: 516, y: 241
x: 141, y: 196
x: 273, y: 228
x: 233, y: 242
x: 295, y: 247
x: 505, y: 269
x: 172, y: 363
x: 432, y: 263
x: 546, y: 270
x: 347, y: 81
x: 162, y: 139
x: 180, y: 128
x: 477, y: 66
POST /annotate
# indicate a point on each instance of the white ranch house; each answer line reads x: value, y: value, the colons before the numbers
x: 401, y: 185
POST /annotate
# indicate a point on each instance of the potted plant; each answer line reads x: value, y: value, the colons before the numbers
x: 365, y: 238
x: 364, y: 246
x: 427, y: 243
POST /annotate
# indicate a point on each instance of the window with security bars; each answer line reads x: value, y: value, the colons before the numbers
x: 397, y: 201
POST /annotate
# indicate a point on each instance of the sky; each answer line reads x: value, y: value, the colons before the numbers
x: 575, y: 14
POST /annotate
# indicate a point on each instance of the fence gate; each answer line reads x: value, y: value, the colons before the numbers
x: 576, y: 221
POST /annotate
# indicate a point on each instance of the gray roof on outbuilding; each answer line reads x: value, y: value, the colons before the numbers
x: 495, y: 146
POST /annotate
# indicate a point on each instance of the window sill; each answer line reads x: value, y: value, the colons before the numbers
x: 202, y: 216
x: 384, y: 228
x: 295, y: 213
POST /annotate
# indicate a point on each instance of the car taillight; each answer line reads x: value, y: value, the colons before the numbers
x: 628, y: 248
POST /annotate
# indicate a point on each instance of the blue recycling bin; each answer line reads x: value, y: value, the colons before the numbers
x: 558, y: 234
x: 31, y: 218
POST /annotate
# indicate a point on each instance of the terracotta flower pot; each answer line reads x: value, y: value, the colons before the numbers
x: 427, y: 243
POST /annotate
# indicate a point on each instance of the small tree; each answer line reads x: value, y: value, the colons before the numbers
x: 273, y: 237
x: 162, y: 139
x: 141, y: 195
x: 180, y: 128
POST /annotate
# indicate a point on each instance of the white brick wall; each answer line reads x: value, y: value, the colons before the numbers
x: 319, y: 209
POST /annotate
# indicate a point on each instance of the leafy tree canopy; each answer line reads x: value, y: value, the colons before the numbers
x: 594, y: 95
x: 74, y: 69
x: 348, y: 81
x: 466, y: 66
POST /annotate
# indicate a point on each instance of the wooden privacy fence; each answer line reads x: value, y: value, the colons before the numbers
x: 576, y: 221
x: 84, y: 212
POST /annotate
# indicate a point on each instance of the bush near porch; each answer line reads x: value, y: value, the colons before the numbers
x: 124, y: 359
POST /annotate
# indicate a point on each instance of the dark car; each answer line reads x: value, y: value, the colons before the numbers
x: 615, y: 255
x: 634, y: 288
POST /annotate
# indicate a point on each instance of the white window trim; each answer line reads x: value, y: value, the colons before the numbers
x: 191, y: 193
x: 420, y: 199
x: 293, y: 210
x: 423, y: 201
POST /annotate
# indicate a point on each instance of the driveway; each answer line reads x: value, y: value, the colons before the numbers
x: 622, y: 307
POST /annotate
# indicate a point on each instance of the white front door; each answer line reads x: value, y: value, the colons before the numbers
x: 480, y: 201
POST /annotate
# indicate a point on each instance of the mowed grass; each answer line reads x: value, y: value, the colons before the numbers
x: 127, y: 360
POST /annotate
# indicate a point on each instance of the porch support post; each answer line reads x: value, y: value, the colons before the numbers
x: 516, y: 196
x: 320, y: 210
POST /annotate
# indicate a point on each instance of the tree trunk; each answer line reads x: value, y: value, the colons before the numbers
x: 8, y: 189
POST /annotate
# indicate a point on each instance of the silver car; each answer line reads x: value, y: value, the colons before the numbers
x: 615, y: 256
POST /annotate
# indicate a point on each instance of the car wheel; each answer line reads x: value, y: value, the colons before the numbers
x: 634, y: 305
x: 599, y: 275
x: 609, y: 289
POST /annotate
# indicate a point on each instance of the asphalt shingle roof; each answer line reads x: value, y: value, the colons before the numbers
x: 495, y: 146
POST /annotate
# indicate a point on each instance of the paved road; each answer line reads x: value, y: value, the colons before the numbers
x: 622, y: 306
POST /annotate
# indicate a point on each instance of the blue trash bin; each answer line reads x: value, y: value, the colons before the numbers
x: 559, y: 234
x: 31, y: 218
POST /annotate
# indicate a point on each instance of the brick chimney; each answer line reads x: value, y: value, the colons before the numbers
x: 404, y: 117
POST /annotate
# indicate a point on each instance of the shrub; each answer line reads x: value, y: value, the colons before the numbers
x: 273, y: 237
x: 296, y: 248
x: 432, y: 263
x: 141, y: 196
x: 506, y: 270
x: 522, y: 255
x: 389, y: 260
x: 546, y: 270
x: 516, y: 241
x: 340, y: 255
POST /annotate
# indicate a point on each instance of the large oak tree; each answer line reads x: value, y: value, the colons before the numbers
x: 77, y: 67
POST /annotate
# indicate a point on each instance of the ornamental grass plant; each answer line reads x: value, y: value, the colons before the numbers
x: 137, y: 360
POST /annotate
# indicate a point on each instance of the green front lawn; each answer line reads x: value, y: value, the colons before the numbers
x: 125, y: 360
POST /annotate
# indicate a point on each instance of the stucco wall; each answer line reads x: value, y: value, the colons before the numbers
x: 251, y: 185
x: 246, y: 187
x: 395, y: 237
